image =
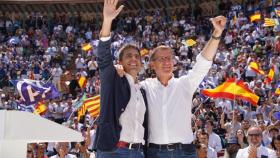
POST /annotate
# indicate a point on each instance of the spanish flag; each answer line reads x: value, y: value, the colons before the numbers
x: 232, y: 89
x: 86, y: 47
x: 40, y: 108
x: 269, y: 22
x: 91, y: 105
x: 144, y: 52
x: 277, y: 11
x: 82, y: 81
x: 270, y: 74
x: 190, y: 42
x: 255, y: 17
x: 255, y: 67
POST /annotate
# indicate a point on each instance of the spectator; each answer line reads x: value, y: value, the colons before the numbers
x: 255, y: 149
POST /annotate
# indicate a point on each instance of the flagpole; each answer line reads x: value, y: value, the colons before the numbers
x: 199, y: 106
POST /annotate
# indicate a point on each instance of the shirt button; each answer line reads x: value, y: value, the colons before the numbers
x: 122, y: 109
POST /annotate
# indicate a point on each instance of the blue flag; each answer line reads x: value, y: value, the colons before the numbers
x: 22, y: 107
x: 32, y: 91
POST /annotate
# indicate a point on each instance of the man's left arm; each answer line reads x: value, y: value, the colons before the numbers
x: 205, y: 58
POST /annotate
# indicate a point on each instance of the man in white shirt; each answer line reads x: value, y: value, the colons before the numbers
x: 204, y: 139
x: 255, y: 149
x: 170, y: 99
x: 214, y: 139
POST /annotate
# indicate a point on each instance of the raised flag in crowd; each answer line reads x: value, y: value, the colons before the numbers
x: 40, y: 108
x: 33, y: 91
x: 255, y: 17
x: 90, y: 105
x: 255, y: 67
x: 268, y: 22
x: 277, y: 91
x: 232, y: 89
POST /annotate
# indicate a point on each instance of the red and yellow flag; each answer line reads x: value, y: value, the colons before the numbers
x: 232, y: 89
x: 270, y: 74
x: 86, y: 47
x: 255, y: 17
x: 91, y: 105
x: 40, y: 108
x: 255, y: 67
x: 269, y: 22
x: 82, y: 81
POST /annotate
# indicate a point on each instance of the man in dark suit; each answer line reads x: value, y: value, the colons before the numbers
x: 120, y: 129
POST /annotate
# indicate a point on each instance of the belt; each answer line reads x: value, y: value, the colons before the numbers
x: 135, y: 146
x: 169, y: 146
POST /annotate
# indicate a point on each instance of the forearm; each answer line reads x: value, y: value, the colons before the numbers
x: 106, y: 28
x: 211, y: 47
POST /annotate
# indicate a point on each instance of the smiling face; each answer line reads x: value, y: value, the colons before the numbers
x: 130, y: 59
x: 162, y: 62
x: 255, y: 136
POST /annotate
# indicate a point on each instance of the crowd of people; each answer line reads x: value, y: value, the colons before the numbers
x: 50, y: 49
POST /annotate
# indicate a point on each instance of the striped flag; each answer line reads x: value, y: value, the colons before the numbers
x: 270, y: 22
x: 190, y: 42
x: 277, y: 11
x: 232, y: 89
x: 40, y: 108
x: 91, y: 105
x: 86, y: 47
x: 82, y: 81
x: 255, y: 17
x: 255, y: 67
x: 270, y: 74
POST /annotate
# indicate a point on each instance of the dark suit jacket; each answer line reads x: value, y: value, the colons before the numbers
x: 115, y: 95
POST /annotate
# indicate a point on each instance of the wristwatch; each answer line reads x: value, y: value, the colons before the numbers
x: 216, y: 38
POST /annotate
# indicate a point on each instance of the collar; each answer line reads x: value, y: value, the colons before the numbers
x: 170, y: 81
x: 130, y: 79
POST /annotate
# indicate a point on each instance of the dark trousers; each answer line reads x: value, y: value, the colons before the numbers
x: 120, y: 153
x: 189, y: 152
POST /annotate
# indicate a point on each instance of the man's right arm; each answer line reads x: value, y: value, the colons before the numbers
x: 105, y: 59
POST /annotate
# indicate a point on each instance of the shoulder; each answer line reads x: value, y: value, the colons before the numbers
x: 270, y: 151
x: 147, y: 81
x: 242, y: 151
x: 216, y: 135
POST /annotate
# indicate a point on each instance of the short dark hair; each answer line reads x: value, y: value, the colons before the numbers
x: 126, y: 47
x: 211, y: 122
x: 205, y: 133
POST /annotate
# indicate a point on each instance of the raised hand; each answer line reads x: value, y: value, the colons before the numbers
x: 109, y: 11
x: 219, y: 24
x: 120, y: 70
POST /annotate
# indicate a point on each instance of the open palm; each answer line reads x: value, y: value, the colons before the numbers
x: 109, y: 11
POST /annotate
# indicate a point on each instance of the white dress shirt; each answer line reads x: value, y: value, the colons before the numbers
x: 261, y: 151
x: 170, y: 106
x: 132, y: 118
x: 211, y: 153
x: 215, y: 142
